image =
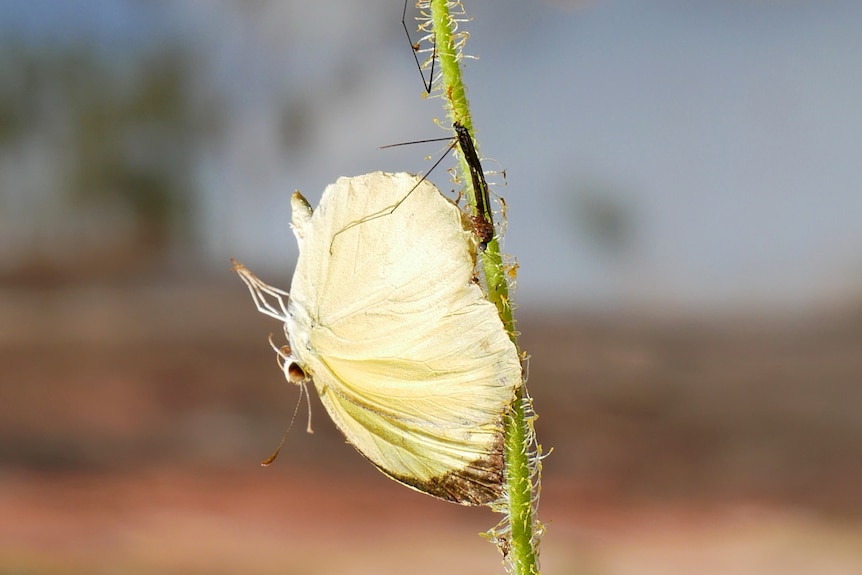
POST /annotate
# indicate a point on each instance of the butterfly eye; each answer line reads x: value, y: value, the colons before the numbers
x: 295, y: 373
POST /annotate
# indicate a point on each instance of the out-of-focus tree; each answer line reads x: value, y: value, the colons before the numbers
x: 604, y: 218
x: 104, y: 149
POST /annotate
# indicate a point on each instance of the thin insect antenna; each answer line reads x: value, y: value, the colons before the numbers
x: 415, y: 49
x: 390, y: 209
x: 415, y: 142
x: 302, y: 389
x: 431, y: 169
x: 484, y: 221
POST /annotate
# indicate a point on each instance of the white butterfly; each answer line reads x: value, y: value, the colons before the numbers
x: 409, y: 358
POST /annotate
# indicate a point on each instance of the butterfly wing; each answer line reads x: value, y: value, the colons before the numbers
x: 411, y: 361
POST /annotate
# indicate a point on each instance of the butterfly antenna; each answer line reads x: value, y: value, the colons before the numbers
x: 302, y: 390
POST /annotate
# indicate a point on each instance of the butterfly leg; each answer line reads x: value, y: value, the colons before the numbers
x: 283, y: 353
x: 265, y: 296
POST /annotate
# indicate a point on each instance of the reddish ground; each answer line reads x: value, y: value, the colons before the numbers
x: 132, y: 422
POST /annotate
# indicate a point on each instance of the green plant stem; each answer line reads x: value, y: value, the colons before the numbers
x: 521, y: 555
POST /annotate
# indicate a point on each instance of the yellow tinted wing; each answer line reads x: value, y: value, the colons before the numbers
x: 409, y: 358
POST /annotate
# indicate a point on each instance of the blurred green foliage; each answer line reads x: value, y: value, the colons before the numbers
x: 123, y: 131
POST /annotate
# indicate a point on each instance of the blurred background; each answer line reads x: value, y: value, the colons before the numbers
x: 683, y: 200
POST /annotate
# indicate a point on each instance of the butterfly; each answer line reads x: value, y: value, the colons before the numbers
x: 410, y: 360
